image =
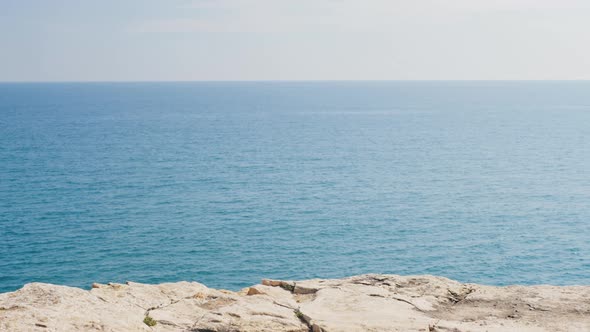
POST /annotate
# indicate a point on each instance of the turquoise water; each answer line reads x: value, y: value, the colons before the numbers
x: 226, y: 183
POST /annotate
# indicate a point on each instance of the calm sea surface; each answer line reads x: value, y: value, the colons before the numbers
x: 227, y: 183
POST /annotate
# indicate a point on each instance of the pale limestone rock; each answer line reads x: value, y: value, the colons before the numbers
x: 273, y: 283
x: 361, y: 303
x: 253, y: 291
x: 44, y: 307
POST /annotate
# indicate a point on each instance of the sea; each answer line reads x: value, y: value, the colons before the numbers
x: 226, y: 183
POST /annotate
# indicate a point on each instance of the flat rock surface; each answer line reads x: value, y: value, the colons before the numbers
x: 360, y: 303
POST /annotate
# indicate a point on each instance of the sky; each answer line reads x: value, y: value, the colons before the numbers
x: 178, y: 40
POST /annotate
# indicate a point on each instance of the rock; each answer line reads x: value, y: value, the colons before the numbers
x: 287, y: 285
x: 270, y: 282
x: 360, y: 303
x: 253, y: 291
x: 298, y: 289
x: 273, y: 283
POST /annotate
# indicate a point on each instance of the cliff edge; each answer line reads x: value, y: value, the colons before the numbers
x: 360, y: 303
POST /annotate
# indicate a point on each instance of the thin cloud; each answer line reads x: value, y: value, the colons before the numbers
x: 334, y: 15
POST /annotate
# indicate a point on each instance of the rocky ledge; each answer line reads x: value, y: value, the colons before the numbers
x: 361, y: 303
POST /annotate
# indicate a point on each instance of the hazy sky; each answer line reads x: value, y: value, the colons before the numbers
x: 117, y: 40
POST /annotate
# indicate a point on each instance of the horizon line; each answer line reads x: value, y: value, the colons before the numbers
x: 293, y: 81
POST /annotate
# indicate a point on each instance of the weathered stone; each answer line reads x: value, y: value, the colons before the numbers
x: 304, y: 290
x: 253, y: 291
x: 361, y: 303
x: 270, y: 282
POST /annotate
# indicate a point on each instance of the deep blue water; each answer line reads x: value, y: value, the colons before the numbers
x: 227, y: 183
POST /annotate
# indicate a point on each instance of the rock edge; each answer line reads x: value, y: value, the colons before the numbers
x: 361, y: 303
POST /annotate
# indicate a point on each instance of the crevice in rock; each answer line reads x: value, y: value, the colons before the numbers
x: 167, y: 322
x: 283, y: 305
x: 532, y: 307
x: 197, y: 322
x: 14, y: 307
x: 288, y: 287
x: 456, y: 297
x: 304, y: 319
x: 102, y: 299
x: 163, y: 305
x: 406, y: 301
x: 148, y: 310
x: 168, y: 304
